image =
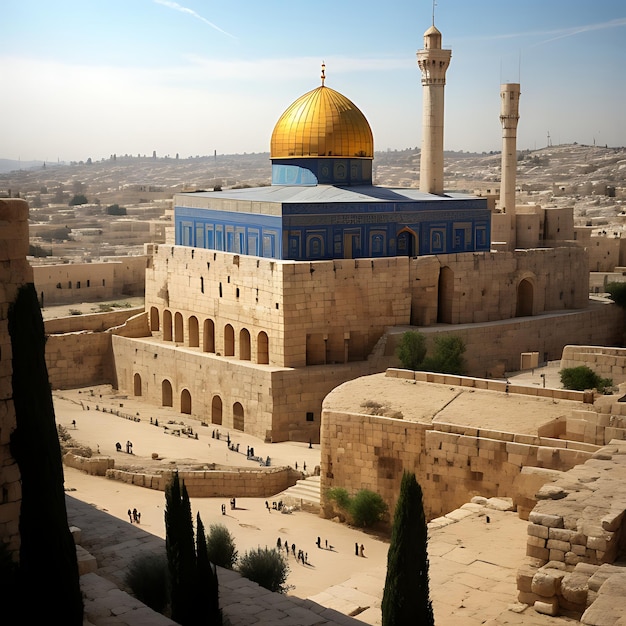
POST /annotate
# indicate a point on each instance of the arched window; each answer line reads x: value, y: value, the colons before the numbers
x: 167, y: 325
x: 238, y: 417
x: 137, y: 385
x: 262, y: 348
x: 185, y: 402
x: 193, y: 332
x: 216, y: 410
x: 166, y: 393
x: 244, y: 344
x: 229, y: 340
x: 154, y: 319
x: 208, y: 340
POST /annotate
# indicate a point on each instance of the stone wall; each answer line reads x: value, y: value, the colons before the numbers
x: 14, y: 273
x: 81, y: 358
x: 67, y: 283
x: 210, y: 483
x: 96, y: 322
x: 452, y: 463
x: 575, y: 530
x: 353, y: 301
x: 607, y: 362
x: 483, y: 287
x: 274, y: 404
x: 492, y: 349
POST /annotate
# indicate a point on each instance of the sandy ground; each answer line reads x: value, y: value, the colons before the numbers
x: 250, y: 523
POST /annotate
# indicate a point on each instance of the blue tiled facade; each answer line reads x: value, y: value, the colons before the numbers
x: 313, y: 231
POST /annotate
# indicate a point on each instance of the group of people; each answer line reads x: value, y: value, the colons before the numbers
x: 302, y: 556
x: 129, y: 447
x: 134, y: 516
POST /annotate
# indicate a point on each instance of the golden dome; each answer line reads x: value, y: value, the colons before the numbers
x: 322, y: 123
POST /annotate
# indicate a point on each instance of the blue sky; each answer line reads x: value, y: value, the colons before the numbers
x: 97, y: 77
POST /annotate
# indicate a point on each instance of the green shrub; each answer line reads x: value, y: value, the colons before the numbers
x: 266, y: 567
x: 583, y: 377
x: 617, y: 293
x: 448, y: 357
x: 221, y: 546
x: 366, y: 508
x: 340, y: 496
x: 148, y: 579
x: 412, y: 350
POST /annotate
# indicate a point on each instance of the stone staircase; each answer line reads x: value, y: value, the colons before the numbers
x: 305, y: 494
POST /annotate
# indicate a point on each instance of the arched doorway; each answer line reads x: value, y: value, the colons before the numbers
x: 185, y: 402
x: 244, y: 344
x: 166, y: 393
x: 445, y: 296
x: 178, y: 328
x: 238, y: 418
x: 229, y: 340
x: 194, y: 332
x: 406, y: 242
x: 525, y: 294
x: 167, y: 325
x: 216, y: 410
x: 262, y: 348
x: 137, y: 385
x: 208, y: 340
x: 154, y: 319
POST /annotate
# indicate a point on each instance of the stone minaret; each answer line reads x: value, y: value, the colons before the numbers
x: 433, y: 62
x: 509, y: 116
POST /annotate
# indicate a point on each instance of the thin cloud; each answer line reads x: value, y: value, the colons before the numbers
x: 178, y: 7
x: 562, y: 33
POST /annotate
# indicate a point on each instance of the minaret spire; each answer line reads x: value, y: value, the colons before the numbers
x: 434, y: 5
x: 433, y: 61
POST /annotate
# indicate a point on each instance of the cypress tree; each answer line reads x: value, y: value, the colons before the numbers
x: 180, y: 549
x: 207, y: 585
x: 406, y: 598
x: 46, y: 585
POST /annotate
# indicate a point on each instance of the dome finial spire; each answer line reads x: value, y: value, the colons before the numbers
x: 323, y: 73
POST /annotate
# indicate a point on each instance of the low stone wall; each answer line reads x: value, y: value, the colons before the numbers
x: 230, y: 483
x: 607, y: 362
x: 490, y: 385
x: 235, y: 483
x: 575, y: 529
x: 94, y: 321
x: 95, y: 465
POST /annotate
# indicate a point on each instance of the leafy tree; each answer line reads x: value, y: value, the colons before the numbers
x: 79, y: 198
x: 367, y: 507
x: 617, y: 293
x: 448, y: 357
x: 406, y: 598
x: 583, y: 377
x: 266, y: 567
x: 412, y: 350
x: 221, y: 546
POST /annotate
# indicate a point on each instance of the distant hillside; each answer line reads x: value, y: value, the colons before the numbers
x: 10, y: 165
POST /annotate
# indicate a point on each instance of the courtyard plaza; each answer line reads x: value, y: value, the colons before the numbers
x: 474, y: 552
